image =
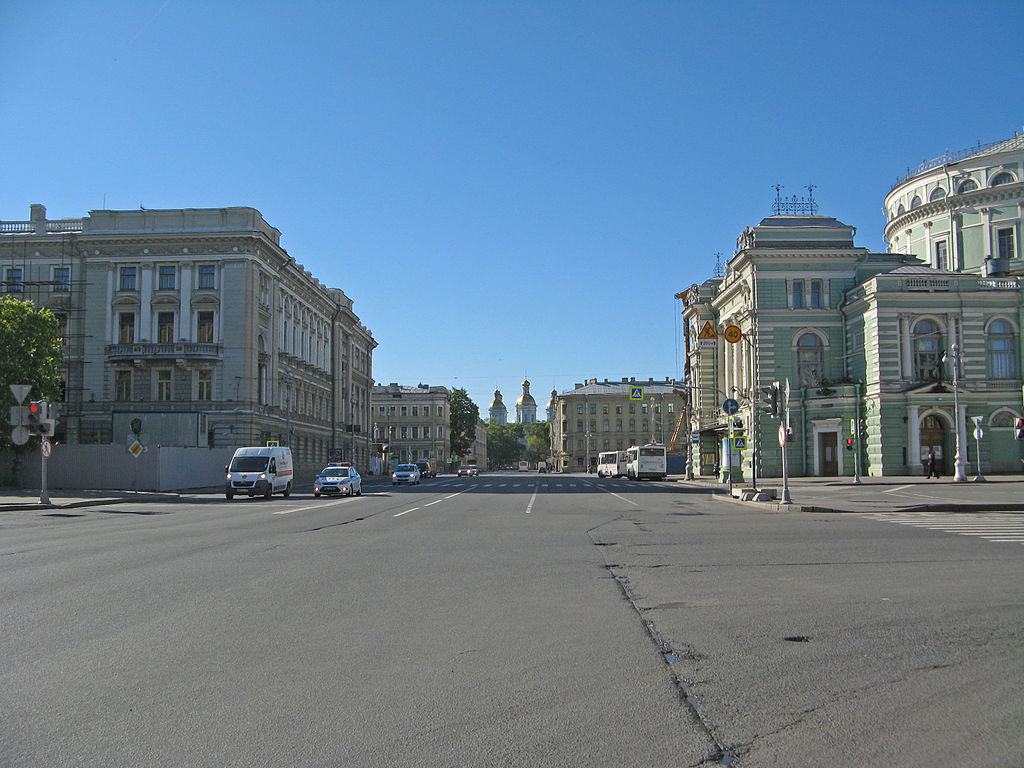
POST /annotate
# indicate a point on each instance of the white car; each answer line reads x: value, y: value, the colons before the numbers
x: 406, y: 473
x: 338, y: 478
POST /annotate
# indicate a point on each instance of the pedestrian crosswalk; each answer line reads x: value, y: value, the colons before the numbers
x: 550, y: 483
x: 991, y: 526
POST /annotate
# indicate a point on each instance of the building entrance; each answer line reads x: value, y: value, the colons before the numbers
x: 933, y: 438
x: 829, y: 443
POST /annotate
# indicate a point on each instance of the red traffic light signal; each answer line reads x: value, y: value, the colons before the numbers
x: 849, y: 443
x: 1020, y: 429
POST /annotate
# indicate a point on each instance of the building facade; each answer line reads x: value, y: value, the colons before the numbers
x: 606, y: 415
x: 880, y: 357
x: 410, y: 423
x: 200, y: 326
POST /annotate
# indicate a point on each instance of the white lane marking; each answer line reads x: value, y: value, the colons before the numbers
x: 432, y: 503
x: 621, y: 498
x: 407, y: 512
x: 894, y: 490
x: 316, y: 506
x: 529, y: 507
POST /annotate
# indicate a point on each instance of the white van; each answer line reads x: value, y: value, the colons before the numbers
x: 259, y: 471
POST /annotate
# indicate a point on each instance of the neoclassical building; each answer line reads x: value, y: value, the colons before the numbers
x: 918, y: 344
x: 412, y: 421
x: 598, y: 416
x: 200, y: 325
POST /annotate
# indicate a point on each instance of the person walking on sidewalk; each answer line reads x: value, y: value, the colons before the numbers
x: 932, y: 471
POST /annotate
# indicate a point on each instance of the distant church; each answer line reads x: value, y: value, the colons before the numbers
x: 498, y: 412
x: 526, y: 406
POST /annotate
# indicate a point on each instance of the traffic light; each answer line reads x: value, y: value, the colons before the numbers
x: 849, y: 443
x: 863, y: 427
x: 1020, y: 429
x: 770, y: 400
x: 36, y: 417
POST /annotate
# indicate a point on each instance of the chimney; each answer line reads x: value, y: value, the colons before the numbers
x: 37, y: 213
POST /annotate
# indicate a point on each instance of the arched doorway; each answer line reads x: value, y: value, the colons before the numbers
x: 933, y: 438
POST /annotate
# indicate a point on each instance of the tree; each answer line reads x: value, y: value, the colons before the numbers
x: 504, y: 445
x: 464, y: 416
x: 538, y: 441
x: 32, y: 355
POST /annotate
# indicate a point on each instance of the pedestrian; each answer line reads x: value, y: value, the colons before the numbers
x: 932, y: 471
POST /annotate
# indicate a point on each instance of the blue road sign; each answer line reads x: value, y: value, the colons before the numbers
x: 695, y: 438
x: 739, y: 443
x: 730, y: 407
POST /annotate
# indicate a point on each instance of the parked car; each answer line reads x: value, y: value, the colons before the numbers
x: 469, y: 470
x: 342, y: 479
x: 426, y: 469
x: 405, y: 473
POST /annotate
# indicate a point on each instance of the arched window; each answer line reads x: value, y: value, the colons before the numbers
x: 969, y: 185
x: 1003, y: 418
x: 810, y: 356
x: 915, y: 203
x: 937, y: 194
x: 901, y: 210
x: 928, y: 346
x: 1003, y: 177
x: 1002, y: 356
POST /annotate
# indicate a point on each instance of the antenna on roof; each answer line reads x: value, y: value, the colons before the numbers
x: 718, y: 264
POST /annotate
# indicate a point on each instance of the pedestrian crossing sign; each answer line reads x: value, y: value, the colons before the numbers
x: 739, y: 443
x: 636, y: 393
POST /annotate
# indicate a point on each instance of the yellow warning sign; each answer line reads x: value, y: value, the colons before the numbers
x: 707, y: 332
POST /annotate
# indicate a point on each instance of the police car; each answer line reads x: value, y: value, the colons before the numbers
x: 340, y: 478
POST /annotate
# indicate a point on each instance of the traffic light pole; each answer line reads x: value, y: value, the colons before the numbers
x: 44, y: 494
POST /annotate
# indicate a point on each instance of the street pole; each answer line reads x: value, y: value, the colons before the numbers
x: 856, y: 437
x: 979, y: 478
x: 958, y: 459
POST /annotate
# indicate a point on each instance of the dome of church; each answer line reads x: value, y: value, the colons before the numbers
x: 526, y: 398
x: 497, y: 402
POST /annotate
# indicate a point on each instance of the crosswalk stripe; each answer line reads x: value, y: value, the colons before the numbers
x: 989, y: 526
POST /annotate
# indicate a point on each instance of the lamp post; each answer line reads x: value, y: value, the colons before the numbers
x: 958, y: 461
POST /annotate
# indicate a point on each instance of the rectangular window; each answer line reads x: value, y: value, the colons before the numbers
x: 123, y: 385
x: 426, y: 433
x: 618, y: 409
x: 204, y: 327
x: 604, y: 426
x: 405, y: 433
x: 415, y: 410
x: 579, y: 408
x: 61, y: 280
x: 127, y: 279
x: 163, y: 384
x: 426, y: 410
x: 593, y: 409
x: 1004, y: 238
x: 816, y: 297
x: 798, y: 294
x: 405, y: 410
x: 207, y: 274
x: 204, y: 385
x: 166, y: 279
x: 12, y: 280
x: 579, y: 425
x: 942, y: 255
x: 126, y: 328
x: 165, y: 327
x: 415, y: 433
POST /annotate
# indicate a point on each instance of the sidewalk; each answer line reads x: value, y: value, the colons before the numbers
x: 998, y: 493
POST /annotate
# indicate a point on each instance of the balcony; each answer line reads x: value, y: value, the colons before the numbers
x: 178, y: 349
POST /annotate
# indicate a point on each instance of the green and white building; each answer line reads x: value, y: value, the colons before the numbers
x: 920, y: 343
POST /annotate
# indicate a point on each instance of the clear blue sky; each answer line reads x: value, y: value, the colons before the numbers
x: 503, y: 188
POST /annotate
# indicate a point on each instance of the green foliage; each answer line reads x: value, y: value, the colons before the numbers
x: 503, y: 444
x: 31, y: 354
x: 464, y: 416
x: 538, y: 441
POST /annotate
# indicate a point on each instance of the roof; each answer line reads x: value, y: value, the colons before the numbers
x: 1012, y: 143
x: 622, y: 388
x: 920, y: 269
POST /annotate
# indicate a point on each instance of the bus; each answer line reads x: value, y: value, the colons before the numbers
x: 611, y: 464
x: 648, y: 461
x: 524, y: 466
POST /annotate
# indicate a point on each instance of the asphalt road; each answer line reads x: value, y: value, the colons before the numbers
x: 505, y: 620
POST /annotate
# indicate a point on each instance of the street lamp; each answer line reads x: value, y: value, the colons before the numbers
x: 958, y: 460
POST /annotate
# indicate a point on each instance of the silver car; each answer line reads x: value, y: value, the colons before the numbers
x: 406, y: 473
x: 341, y: 479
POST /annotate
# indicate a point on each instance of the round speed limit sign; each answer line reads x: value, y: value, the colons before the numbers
x: 782, y: 434
x: 46, y: 448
